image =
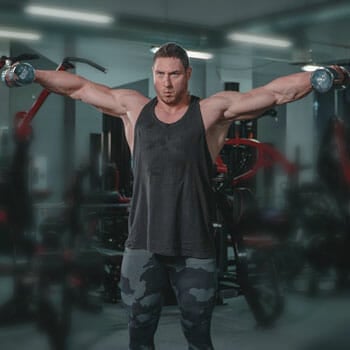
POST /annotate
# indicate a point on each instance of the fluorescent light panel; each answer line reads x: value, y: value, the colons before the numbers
x: 200, y: 55
x: 17, y: 34
x: 259, y: 40
x: 310, y: 67
x: 68, y: 14
x: 193, y: 54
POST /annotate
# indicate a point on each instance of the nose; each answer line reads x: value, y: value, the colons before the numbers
x: 167, y: 81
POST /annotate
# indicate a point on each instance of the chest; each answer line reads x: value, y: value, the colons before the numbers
x: 163, y: 144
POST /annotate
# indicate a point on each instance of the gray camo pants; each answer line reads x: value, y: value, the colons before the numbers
x: 143, y: 277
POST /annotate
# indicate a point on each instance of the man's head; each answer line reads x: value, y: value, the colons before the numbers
x: 171, y: 73
x: 175, y: 51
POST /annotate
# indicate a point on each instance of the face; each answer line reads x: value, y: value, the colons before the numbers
x: 170, y: 79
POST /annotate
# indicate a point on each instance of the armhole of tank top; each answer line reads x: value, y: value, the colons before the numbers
x: 204, y: 132
x: 147, y: 105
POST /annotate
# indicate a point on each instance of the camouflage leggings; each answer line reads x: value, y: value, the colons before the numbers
x: 143, y: 277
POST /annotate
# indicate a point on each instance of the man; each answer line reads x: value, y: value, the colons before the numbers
x: 174, y: 139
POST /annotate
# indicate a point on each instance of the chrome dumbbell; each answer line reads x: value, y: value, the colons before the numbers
x: 18, y: 74
x: 323, y: 79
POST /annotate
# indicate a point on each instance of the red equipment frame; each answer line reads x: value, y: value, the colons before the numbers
x: 266, y: 156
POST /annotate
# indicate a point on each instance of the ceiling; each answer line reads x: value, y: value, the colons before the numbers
x: 319, y: 29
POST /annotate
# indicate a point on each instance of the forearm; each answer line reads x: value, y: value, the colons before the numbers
x: 253, y: 103
x: 289, y: 88
x: 116, y: 102
x: 60, y: 82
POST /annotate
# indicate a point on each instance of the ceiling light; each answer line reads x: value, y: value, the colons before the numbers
x: 200, y: 55
x: 17, y: 34
x: 259, y: 40
x: 310, y: 67
x: 68, y: 14
x: 192, y: 54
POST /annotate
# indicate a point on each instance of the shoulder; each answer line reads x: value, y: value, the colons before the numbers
x: 123, y: 103
x: 220, y: 98
x: 130, y: 99
x: 128, y: 96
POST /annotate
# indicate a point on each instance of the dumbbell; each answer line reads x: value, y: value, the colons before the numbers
x: 323, y: 79
x: 18, y: 74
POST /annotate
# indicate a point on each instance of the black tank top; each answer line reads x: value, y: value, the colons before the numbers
x: 171, y: 210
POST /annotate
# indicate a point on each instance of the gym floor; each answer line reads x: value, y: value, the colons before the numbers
x: 308, y: 323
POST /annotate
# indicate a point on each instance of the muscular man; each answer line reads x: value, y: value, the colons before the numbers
x: 174, y: 139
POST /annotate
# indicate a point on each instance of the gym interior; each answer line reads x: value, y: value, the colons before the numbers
x: 66, y: 177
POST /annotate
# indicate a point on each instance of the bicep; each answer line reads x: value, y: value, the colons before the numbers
x: 227, y: 106
x: 99, y: 96
x: 116, y: 102
x: 250, y: 104
x: 231, y: 105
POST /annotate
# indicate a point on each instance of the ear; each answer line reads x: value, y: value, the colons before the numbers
x: 189, y: 72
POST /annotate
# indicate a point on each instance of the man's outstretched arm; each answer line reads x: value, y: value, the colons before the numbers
x: 251, y: 104
x: 111, y: 101
x: 279, y: 91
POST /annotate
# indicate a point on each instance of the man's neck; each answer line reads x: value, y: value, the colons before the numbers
x: 169, y: 113
x: 175, y: 106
